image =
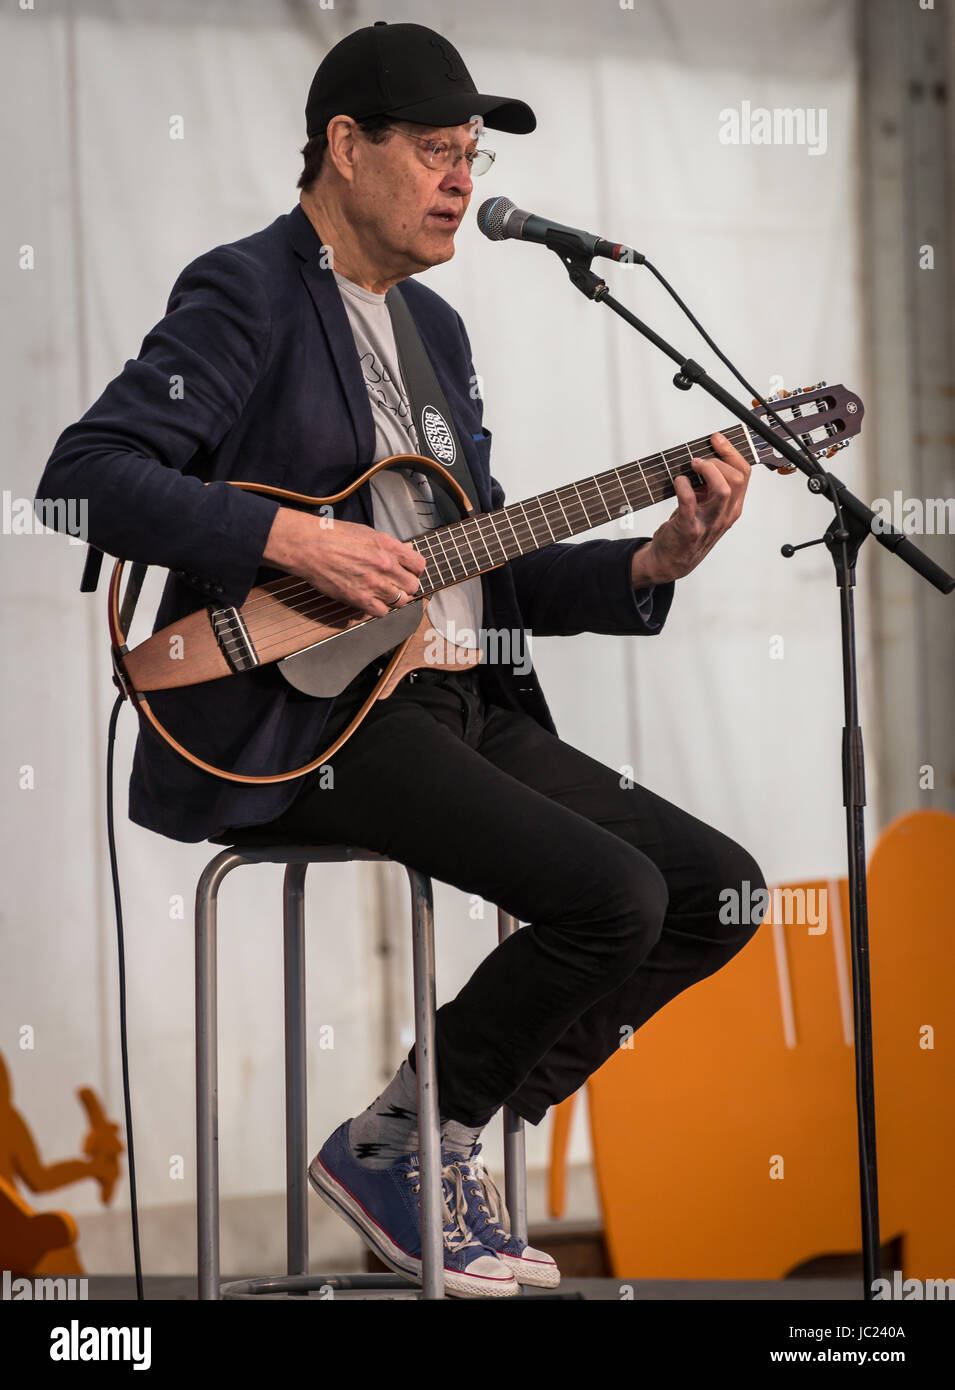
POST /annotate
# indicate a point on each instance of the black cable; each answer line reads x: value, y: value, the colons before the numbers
x: 114, y: 870
x: 783, y: 424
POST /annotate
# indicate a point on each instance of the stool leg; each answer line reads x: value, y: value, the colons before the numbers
x: 515, y: 1162
x: 296, y: 1089
x: 207, y: 1084
x: 429, y: 1127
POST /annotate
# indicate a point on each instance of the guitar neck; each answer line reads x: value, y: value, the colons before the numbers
x: 467, y: 548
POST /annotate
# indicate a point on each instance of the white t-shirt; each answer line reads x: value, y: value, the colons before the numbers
x: 402, y: 499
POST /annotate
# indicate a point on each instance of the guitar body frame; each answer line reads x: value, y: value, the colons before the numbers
x: 407, y: 656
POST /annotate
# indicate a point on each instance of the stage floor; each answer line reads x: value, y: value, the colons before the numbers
x: 182, y: 1287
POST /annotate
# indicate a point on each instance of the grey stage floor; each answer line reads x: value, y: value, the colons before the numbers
x: 774, y: 1290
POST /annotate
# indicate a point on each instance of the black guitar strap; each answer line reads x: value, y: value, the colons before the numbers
x: 437, y: 437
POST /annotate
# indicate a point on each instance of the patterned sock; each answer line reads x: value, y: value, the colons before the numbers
x: 388, y: 1129
x: 458, y: 1138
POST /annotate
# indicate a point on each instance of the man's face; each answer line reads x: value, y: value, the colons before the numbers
x: 407, y: 209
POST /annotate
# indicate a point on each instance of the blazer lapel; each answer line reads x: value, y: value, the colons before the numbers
x: 341, y: 343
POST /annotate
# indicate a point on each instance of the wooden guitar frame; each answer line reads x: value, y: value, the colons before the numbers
x: 407, y: 656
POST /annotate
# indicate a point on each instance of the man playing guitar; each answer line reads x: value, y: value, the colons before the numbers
x: 276, y: 363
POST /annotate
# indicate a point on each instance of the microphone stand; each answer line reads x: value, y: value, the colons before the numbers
x: 843, y: 537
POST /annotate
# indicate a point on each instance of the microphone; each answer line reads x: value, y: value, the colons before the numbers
x: 498, y: 218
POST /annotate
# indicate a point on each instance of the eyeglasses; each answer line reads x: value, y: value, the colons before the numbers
x: 440, y: 154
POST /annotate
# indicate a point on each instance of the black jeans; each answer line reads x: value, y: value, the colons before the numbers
x: 621, y: 889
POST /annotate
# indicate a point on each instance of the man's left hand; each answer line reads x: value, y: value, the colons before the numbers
x: 701, y: 518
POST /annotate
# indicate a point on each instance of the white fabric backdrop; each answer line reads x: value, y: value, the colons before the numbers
x: 763, y: 243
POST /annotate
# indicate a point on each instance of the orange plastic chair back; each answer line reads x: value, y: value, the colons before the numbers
x: 724, y: 1138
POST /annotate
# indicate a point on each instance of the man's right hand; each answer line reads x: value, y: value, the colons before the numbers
x: 362, y: 567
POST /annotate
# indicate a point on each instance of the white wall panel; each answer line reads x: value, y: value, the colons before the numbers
x: 762, y: 242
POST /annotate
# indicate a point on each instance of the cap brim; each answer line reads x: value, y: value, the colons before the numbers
x: 499, y: 113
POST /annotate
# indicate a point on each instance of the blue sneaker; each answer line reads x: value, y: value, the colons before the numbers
x: 384, y: 1207
x: 485, y: 1216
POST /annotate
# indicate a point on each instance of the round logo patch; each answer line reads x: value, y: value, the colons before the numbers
x: 438, y: 435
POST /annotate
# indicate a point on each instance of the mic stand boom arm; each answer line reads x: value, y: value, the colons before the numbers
x: 843, y: 537
x: 692, y: 374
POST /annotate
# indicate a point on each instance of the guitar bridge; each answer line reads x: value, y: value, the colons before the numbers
x: 233, y: 638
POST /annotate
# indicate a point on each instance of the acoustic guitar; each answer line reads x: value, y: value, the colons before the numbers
x: 320, y: 643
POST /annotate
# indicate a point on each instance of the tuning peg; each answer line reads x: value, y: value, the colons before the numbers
x: 786, y: 468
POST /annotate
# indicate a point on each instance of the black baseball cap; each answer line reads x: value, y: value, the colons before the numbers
x: 408, y: 72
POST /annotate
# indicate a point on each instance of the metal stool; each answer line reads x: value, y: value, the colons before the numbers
x: 298, y: 1281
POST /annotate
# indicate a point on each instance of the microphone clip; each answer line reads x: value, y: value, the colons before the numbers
x: 577, y: 265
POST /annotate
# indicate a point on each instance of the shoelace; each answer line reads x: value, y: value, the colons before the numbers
x: 474, y: 1170
x: 455, y: 1230
x: 456, y: 1179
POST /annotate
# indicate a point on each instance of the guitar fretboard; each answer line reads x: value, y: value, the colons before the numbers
x: 466, y: 548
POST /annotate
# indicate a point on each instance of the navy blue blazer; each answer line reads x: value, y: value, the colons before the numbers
x: 252, y: 374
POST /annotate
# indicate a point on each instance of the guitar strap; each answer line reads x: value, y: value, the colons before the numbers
x: 437, y: 437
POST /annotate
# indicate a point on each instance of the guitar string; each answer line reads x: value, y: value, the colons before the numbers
x: 440, y: 571
x: 285, y: 589
x: 606, y: 477
x: 441, y: 533
x: 318, y: 606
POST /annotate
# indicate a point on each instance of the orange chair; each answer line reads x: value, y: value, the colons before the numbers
x: 724, y: 1139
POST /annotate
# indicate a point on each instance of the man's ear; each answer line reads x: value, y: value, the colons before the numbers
x: 341, y: 133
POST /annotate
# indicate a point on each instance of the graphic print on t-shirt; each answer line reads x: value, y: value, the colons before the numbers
x: 402, y: 498
x: 388, y: 394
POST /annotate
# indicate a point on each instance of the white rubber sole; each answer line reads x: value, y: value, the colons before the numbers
x: 532, y: 1272
x: 455, y: 1283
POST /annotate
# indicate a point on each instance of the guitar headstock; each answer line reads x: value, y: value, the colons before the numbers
x: 825, y: 417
